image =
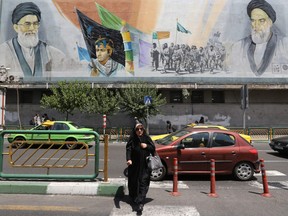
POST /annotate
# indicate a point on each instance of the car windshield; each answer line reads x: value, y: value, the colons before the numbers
x: 173, y: 136
x: 75, y: 125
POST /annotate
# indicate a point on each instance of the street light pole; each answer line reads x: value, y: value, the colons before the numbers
x: 147, y: 119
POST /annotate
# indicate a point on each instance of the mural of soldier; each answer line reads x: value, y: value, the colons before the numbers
x: 177, y: 58
x: 105, y: 65
x: 264, y: 50
x: 165, y: 56
x: 211, y: 53
x: 155, y: 57
x: 25, y: 54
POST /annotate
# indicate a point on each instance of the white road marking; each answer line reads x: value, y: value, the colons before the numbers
x: 160, y: 184
x: 275, y: 161
x: 150, y: 210
x: 271, y: 185
x: 271, y: 173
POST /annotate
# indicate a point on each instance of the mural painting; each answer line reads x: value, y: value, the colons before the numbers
x: 100, y: 40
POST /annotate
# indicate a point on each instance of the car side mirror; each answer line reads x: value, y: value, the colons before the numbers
x: 181, y: 146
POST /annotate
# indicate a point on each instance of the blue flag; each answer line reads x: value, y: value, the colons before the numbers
x: 83, y: 54
x: 182, y: 29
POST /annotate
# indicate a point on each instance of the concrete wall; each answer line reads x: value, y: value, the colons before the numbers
x: 258, y: 115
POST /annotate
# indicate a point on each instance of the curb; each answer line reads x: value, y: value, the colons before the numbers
x: 62, y: 188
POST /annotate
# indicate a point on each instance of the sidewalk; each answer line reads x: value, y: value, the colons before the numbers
x: 99, y: 188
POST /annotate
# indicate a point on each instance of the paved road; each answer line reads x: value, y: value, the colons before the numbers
x: 234, y: 197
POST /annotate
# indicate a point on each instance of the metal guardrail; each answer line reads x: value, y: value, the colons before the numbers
x: 259, y: 134
x: 30, y: 154
x: 277, y: 132
x: 256, y: 133
x: 122, y: 134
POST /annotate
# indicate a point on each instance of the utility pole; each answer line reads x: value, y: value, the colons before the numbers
x: 244, y: 102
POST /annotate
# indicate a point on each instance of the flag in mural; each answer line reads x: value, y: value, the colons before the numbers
x: 182, y: 29
x: 92, y: 30
x: 161, y: 35
x: 108, y: 19
x: 83, y: 54
x: 112, y: 21
x: 145, y: 48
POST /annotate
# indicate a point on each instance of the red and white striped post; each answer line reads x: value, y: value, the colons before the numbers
x: 104, y: 124
x: 175, y: 178
x: 212, y: 180
x: 264, y: 180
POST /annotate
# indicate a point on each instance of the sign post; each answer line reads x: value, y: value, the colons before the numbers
x: 2, y: 107
x: 147, y: 102
x: 104, y: 124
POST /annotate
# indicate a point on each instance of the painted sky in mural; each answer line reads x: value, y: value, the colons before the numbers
x: 102, y: 40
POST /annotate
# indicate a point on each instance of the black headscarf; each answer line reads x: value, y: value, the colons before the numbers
x: 263, y: 5
x: 145, y: 138
x: 23, y: 9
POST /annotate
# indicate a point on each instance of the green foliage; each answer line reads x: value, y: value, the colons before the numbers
x: 67, y: 97
x: 132, y: 100
x: 103, y: 101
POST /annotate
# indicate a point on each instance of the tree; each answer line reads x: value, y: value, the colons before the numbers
x: 103, y: 101
x: 67, y: 97
x: 132, y: 100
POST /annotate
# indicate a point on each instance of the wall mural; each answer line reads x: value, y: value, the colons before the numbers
x: 112, y: 40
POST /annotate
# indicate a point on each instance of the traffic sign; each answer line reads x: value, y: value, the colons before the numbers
x: 147, y: 100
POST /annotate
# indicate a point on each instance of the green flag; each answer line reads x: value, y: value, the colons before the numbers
x: 108, y: 19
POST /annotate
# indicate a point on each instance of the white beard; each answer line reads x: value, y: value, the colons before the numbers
x: 28, y: 40
x: 260, y: 37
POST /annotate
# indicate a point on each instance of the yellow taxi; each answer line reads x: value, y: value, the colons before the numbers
x: 245, y: 136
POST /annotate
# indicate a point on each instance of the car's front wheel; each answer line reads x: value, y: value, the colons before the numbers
x: 71, y: 145
x: 243, y: 171
x: 159, y: 174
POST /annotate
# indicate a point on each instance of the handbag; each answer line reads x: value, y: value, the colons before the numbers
x: 154, y: 162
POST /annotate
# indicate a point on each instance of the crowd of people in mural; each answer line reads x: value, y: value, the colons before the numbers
x: 181, y: 58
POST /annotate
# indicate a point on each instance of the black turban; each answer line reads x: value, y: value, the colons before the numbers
x: 263, y: 5
x: 23, y: 9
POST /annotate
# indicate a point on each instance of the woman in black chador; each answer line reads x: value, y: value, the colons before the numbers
x: 138, y: 147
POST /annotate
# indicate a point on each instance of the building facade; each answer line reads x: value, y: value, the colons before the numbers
x: 199, y: 54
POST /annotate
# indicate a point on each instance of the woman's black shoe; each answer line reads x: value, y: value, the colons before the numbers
x: 140, y: 207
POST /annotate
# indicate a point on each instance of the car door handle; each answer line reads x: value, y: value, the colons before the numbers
x: 233, y: 152
x: 203, y: 153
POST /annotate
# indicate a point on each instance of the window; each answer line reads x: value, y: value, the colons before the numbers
x: 26, y: 96
x: 176, y: 97
x: 218, y: 97
x: 222, y: 139
x: 60, y: 126
x: 196, y: 140
x: 197, y: 97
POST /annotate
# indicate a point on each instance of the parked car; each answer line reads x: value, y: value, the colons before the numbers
x: 195, y: 147
x: 55, y: 125
x: 245, y: 136
x: 279, y: 144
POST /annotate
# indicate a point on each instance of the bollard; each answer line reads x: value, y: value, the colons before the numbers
x: 106, y: 140
x: 212, y: 179
x: 175, y: 178
x: 264, y: 180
